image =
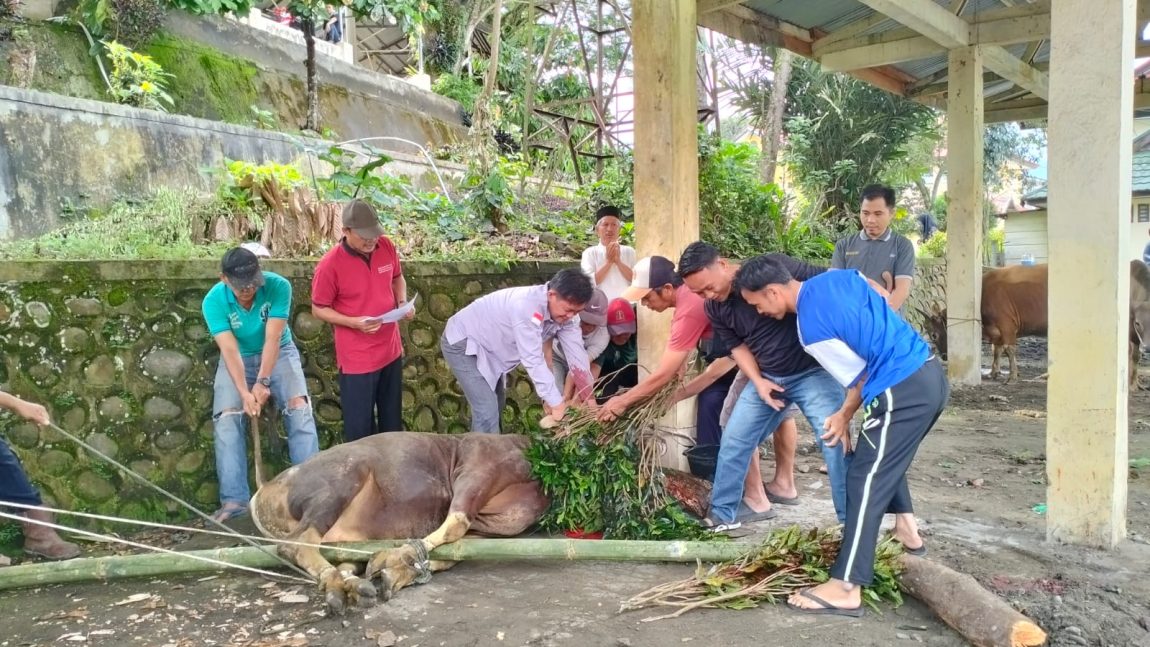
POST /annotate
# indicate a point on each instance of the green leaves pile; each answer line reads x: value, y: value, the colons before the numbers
x: 596, y: 487
x: 788, y: 560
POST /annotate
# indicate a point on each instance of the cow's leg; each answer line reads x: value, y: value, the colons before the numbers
x: 1010, y: 351
x: 339, y: 586
x: 402, y: 566
x: 996, y: 353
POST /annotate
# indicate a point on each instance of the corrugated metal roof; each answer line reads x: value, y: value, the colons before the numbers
x: 833, y: 15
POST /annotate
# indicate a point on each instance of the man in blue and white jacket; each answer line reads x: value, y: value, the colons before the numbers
x: 855, y: 335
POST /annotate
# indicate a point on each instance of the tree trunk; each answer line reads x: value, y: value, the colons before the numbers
x: 982, y: 617
x: 773, y: 132
x: 312, y: 122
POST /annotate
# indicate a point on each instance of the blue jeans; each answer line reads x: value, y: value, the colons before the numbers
x: 817, y: 395
x: 230, y: 422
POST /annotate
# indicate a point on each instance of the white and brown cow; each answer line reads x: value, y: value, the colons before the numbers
x: 397, y: 485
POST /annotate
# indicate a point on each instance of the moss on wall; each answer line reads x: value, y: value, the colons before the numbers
x: 206, y: 82
x: 58, y: 57
x: 120, y: 355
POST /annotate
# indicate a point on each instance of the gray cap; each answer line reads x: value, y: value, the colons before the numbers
x: 595, y: 312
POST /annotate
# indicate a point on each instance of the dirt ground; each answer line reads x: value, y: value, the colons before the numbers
x: 977, y: 481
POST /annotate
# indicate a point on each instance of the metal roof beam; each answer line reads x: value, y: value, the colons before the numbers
x: 749, y: 26
x: 1008, y: 67
x: 1032, y: 109
x: 950, y: 31
x: 999, y: 27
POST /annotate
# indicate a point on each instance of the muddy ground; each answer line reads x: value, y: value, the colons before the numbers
x: 979, y: 482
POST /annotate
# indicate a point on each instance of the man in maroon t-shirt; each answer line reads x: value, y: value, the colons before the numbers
x: 355, y: 282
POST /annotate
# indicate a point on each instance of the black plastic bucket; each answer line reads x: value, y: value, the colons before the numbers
x: 702, y: 460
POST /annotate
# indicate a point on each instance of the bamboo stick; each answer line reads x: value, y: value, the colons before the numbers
x: 533, y: 549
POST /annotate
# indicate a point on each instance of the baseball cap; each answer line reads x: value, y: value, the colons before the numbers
x: 649, y: 273
x: 620, y: 317
x: 257, y: 249
x: 361, y: 218
x: 242, y: 268
x: 595, y: 312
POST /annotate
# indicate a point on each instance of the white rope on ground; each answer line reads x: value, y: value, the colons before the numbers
x: 123, y: 468
x: 154, y: 524
x: 111, y: 538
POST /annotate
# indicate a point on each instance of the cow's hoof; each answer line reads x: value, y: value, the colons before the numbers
x: 362, y: 593
x: 336, y: 602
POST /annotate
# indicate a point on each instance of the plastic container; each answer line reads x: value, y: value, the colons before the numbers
x: 702, y: 460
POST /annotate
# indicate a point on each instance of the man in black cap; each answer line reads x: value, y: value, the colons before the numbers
x: 247, y: 313
x: 355, y: 282
x: 609, y: 263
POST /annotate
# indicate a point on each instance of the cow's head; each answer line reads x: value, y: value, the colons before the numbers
x: 1139, y: 302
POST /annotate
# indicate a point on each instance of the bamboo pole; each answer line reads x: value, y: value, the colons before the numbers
x: 532, y: 549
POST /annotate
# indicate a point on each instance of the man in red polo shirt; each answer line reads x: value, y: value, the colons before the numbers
x: 358, y: 279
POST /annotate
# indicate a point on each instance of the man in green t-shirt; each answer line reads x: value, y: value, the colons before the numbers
x: 246, y: 313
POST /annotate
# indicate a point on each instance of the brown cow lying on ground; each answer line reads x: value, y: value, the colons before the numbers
x: 397, y: 485
x: 1014, y: 304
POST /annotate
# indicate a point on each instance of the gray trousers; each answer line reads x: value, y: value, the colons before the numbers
x: 486, y: 404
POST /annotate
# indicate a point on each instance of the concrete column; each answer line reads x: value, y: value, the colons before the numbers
x: 666, y: 163
x: 1091, y: 95
x: 964, y: 216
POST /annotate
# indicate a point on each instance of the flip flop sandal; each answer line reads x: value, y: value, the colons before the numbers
x: 778, y: 498
x: 228, y: 512
x: 719, y: 526
x: 826, y: 609
x: 917, y: 552
x: 747, y: 515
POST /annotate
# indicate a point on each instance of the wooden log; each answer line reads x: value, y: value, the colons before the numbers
x: 529, y: 548
x: 982, y: 617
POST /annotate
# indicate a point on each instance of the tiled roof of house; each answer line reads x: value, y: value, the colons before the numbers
x: 1139, y: 180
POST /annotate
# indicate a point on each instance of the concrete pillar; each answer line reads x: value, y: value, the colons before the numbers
x: 666, y: 163
x: 1091, y: 95
x: 964, y: 216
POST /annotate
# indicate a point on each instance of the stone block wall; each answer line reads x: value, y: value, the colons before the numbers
x: 926, y: 306
x: 119, y: 354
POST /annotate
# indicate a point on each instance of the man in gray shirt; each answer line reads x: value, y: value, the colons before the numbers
x: 499, y: 331
x: 877, y: 252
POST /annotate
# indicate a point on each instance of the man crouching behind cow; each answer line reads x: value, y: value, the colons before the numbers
x: 499, y: 331
x: 1014, y: 304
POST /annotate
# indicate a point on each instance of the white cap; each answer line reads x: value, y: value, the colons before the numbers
x: 257, y: 249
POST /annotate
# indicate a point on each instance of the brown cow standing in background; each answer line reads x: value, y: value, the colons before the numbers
x: 1014, y: 304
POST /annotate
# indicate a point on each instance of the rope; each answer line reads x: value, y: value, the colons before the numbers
x: 180, y: 501
x: 165, y: 526
x: 422, y: 563
x: 111, y: 538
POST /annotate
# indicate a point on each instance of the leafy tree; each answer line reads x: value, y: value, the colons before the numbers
x: 844, y: 134
x: 741, y: 214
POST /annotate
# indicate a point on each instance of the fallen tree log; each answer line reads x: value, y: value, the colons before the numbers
x: 535, y: 549
x: 982, y: 617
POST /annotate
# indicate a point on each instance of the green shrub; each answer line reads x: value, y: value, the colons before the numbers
x: 136, y: 79
x: 934, y: 247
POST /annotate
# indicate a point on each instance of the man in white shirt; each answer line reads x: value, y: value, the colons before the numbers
x: 609, y: 263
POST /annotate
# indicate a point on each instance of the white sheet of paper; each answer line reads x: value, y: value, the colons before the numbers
x: 398, y: 313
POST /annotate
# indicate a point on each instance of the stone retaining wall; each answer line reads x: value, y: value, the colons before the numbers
x: 119, y: 354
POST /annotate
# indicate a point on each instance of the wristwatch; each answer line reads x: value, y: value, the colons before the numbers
x: 264, y: 381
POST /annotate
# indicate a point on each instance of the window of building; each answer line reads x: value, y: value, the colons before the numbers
x: 1144, y: 213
